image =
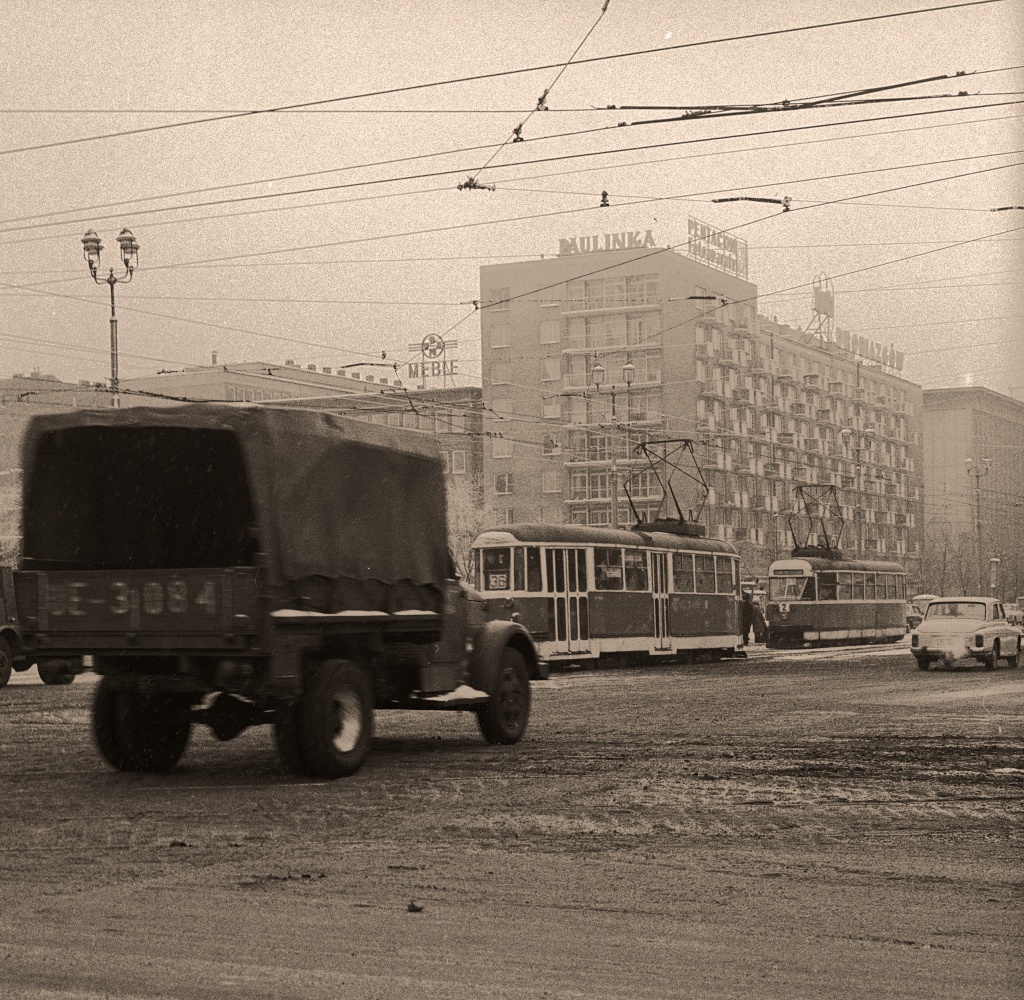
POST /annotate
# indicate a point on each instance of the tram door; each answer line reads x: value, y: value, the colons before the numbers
x: 567, y: 590
x: 659, y: 590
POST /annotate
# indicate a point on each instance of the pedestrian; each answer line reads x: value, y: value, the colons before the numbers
x: 760, y: 626
x: 746, y: 615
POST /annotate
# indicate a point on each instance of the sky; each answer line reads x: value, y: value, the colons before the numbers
x: 335, y: 231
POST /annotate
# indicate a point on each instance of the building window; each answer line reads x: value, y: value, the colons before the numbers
x: 498, y: 300
x: 458, y: 463
x: 551, y: 481
x: 501, y: 373
x: 501, y: 335
x: 551, y: 445
x: 510, y: 516
x: 550, y: 331
x: 503, y: 483
x: 552, y: 407
x: 551, y: 369
x: 502, y: 448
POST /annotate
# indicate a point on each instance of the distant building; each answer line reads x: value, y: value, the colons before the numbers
x: 590, y: 353
x: 973, y: 512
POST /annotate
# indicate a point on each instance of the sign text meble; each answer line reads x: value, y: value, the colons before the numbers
x: 606, y: 241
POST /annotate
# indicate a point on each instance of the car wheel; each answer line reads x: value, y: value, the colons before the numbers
x: 503, y: 718
x: 6, y: 662
x: 335, y: 719
x: 993, y: 660
x: 1015, y: 659
x: 923, y: 663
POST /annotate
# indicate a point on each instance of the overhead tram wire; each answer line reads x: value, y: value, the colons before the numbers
x: 563, y: 212
x: 588, y: 274
x: 516, y: 135
x: 504, y: 73
x: 462, y: 170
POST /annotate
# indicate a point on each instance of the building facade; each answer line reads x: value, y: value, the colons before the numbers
x: 974, y: 492
x: 589, y: 357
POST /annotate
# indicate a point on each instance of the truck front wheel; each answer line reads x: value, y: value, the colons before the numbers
x: 503, y: 718
x: 136, y: 732
x: 335, y: 719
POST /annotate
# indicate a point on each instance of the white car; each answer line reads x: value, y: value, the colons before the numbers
x: 958, y: 628
x: 1014, y: 614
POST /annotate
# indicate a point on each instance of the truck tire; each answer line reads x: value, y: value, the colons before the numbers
x: 136, y: 732
x: 335, y: 719
x: 6, y: 662
x: 991, y: 662
x: 503, y: 718
x: 55, y: 671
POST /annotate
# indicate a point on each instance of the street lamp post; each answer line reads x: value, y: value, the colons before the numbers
x: 92, y: 248
x: 977, y: 473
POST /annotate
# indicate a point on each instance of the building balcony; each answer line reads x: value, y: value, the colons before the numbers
x: 824, y: 416
x: 837, y: 390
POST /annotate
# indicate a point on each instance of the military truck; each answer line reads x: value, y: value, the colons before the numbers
x: 234, y: 565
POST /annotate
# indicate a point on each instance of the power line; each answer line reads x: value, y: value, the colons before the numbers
x: 504, y: 73
x: 539, y: 160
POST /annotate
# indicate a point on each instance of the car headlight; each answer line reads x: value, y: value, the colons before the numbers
x: 979, y: 640
x: 915, y: 640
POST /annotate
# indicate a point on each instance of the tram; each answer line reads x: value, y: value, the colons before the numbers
x: 658, y: 591
x: 821, y: 600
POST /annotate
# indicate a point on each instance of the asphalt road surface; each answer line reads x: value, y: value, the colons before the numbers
x: 794, y: 825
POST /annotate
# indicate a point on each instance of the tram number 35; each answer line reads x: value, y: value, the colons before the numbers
x: 153, y: 597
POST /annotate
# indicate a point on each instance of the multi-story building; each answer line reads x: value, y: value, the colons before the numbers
x: 974, y: 491
x: 587, y: 356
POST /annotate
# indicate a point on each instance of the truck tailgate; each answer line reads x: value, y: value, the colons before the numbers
x: 148, y: 608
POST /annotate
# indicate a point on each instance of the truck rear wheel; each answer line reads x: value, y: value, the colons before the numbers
x: 6, y: 662
x: 136, y: 732
x: 335, y: 719
x: 503, y: 718
x: 55, y: 671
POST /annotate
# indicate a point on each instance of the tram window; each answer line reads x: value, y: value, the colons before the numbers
x: 608, y: 569
x: 519, y: 569
x: 636, y: 569
x: 827, y: 586
x: 682, y: 572
x: 845, y: 587
x: 791, y: 588
x: 533, y: 570
x: 890, y: 586
x: 902, y: 588
x: 581, y: 561
x: 573, y: 589
x: 477, y: 580
x: 723, y: 575
x: 858, y: 586
x: 705, y: 571
x: 869, y: 586
x: 497, y: 563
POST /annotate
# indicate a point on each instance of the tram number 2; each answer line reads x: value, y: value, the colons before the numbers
x: 159, y: 598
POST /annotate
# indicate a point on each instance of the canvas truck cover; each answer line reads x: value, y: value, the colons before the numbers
x: 349, y: 512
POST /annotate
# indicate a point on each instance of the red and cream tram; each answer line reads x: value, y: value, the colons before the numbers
x: 820, y: 601
x: 585, y: 593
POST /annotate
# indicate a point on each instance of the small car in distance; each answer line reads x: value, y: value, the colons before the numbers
x: 959, y: 628
x: 1015, y: 614
x: 914, y: 616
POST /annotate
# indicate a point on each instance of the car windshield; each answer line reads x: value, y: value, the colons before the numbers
x: 972, y: 610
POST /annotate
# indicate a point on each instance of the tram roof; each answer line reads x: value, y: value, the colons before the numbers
x: 818, y: 564
x: 579, y: 534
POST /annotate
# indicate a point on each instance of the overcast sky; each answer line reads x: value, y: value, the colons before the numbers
x: 333, y: 276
